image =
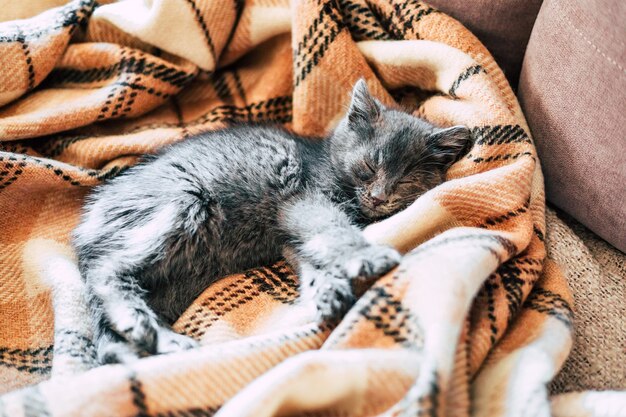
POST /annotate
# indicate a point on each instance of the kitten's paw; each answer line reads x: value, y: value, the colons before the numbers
x: 333, y: 298
x: 170, y: 342
x: 371, y: 262
x: 116, y: 352
x: 334, y: 292
x: 140, y: 328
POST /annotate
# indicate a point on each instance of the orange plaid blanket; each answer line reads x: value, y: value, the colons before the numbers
x: 474, y: 321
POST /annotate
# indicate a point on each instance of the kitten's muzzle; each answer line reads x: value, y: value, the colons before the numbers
x: 375, y: 201
x: 377, y: 197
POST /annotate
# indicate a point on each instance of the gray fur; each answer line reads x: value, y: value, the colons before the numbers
x: 152, y: 239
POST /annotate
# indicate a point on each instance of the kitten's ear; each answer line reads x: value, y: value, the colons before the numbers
x: 448, y: 145
x: 364, y: 109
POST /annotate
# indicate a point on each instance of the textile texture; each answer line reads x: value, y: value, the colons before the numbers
x: 88, y: 88
x: 595, y: 272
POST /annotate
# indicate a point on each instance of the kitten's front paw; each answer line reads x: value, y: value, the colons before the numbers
x: 333, y: 298
x: 371, y: 262
x: 334, y: 292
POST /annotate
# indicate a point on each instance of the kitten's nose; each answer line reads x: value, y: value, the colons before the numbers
x: 378, y: 197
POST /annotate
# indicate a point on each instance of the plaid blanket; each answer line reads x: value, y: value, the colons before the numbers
x: 474, y: 321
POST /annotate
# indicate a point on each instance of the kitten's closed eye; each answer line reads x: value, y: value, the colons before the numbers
x: 407, y: 181
x: 365, y: 170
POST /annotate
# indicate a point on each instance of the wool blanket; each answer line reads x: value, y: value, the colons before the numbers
x: 475, y: 320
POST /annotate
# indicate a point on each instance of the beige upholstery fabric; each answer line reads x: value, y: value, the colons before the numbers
x: 572, y: 88
x: 596, y: 273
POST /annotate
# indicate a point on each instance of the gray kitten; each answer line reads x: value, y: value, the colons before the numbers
x: 152, y: 239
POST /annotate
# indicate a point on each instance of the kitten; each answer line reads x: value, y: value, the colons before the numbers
x: 154, y: 238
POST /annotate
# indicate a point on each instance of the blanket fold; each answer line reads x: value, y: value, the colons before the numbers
x: 90, y: 87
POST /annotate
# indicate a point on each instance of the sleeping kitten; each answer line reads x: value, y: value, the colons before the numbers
x: 154, y: 238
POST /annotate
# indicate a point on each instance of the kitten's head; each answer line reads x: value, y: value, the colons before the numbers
x: 387, y: 157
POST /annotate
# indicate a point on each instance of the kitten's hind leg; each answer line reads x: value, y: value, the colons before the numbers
x: 111, y: 265
x: 111, y: 348
x: 130, y: 317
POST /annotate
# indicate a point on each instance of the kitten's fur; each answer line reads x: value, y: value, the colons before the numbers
x: 153, y: 238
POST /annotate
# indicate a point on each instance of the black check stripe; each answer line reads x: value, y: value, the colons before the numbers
x: 407, y: 14
x: 65, y: 176
x: 514, y: 279
x: 362, y: 22
x: 23, y: 161
x: 526, y: 262
x: 277, y: 281
x: 276, y: 109
x: 139, y: 397
x: 392, y: 318
x: 488, y: 290
x: 29, y: 60
x: 239, y: 6
x: 311, y: 49
x: 239, y: 86
x: 115, y: 101
x: 492, y: 221
x: 473, y: 70
x: 11, y: 168
x: 71, y: 15
x: 36, y: 361
x: 499, y: 135
x: 128, y: 64
x: 203, y: 26
x: 552, y: 304
x: 220, y: 83
x: 386, y: 22
x: 106, y: 174
x: 190, y: 412
x: 500, y: 157
x: 236, y: 294
x: 326, y: 9
x: 161, y: 72
x: 105, y: 107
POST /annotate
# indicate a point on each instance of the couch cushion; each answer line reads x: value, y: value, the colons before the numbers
x: 504, y: 27
x: 572, y: 89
